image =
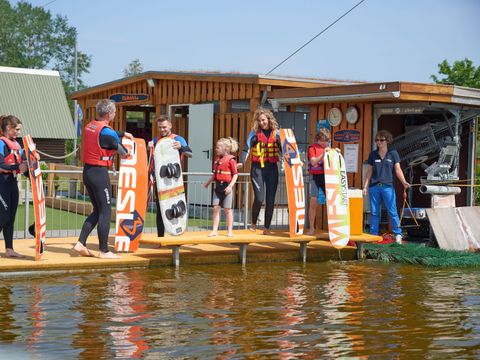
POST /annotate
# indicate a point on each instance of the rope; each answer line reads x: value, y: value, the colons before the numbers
x: 58, y: 157
x: 405, y: 202
x: 451, y: 182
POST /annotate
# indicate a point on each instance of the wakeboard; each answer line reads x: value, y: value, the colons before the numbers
x: 336, y: 188
x: 131, y: 196
x: 294, y: 182
x: 170, y: 189
x: 38, y: 195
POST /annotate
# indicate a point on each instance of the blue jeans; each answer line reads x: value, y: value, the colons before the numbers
x: 387, y: 193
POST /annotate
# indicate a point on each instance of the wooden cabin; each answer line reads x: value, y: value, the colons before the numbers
x: 398, y: 107
x: 203, y: 107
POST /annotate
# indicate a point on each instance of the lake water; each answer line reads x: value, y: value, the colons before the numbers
x: 281, y: 310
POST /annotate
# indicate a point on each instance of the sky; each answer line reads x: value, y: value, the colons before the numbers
x: 381, y: 40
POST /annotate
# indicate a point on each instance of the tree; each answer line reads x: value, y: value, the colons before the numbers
x: 134, y: 68
x: 31, y: 38
x: 461, y: 73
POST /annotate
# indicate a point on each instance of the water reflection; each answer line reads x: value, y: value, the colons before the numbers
x: 324, y: 310
x: 127, y: 309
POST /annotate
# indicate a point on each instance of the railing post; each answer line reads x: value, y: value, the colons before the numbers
x: 27, y: 205
x: 245, y: 203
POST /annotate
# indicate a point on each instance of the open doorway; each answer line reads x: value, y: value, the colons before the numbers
x: 420, y: 131
x: 139, y: 121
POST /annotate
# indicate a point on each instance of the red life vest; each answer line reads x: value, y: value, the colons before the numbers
x: 221, y: 168
x: 266, y: 149
x: 14, y: 157
x: 92, y: 152
x: 317, y: 169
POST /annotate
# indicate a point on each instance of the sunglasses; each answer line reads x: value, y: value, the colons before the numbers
x: 381, y: 140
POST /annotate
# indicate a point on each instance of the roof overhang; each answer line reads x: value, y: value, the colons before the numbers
x: 394, y: 91
x: 272, y: 80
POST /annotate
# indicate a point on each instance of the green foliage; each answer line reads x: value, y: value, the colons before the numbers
x: 461, y: 73
x: 43, y: 167
x: 421, y: 255
x: 134, y: 68
x: 30, y: 37
x: 69, y: 149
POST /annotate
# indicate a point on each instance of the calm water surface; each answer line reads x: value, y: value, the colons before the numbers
x: 321, y: 310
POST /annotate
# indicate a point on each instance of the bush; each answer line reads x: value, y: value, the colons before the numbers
x: 56, y: 179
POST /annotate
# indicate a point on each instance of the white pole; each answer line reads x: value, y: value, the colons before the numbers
x: 75, y: 110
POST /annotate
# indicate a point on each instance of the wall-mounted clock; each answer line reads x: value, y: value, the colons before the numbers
x: 351, y: 115
x: 335, y: 116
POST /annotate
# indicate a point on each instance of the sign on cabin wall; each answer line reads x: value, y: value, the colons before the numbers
x: 124, y: 98
x: 347, y: 136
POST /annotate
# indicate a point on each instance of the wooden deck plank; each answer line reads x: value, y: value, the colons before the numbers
x: 59, y: 255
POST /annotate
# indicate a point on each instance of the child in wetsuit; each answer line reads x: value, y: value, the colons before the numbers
x: 225, y: 176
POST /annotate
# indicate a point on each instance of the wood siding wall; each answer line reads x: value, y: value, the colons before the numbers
x: 54, y: 147
x: 171, y: 92
x: 364, y: 125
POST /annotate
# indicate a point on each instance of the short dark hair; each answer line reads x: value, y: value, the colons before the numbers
x: 162, y: 118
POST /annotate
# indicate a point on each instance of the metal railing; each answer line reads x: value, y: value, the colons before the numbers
x: 68, y: 205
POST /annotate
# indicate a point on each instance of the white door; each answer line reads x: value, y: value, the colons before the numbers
x: 200, y: 138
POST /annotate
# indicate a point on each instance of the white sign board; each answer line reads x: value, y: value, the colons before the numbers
x: 351, y: 157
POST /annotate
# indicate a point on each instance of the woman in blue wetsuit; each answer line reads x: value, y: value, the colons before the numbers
x: 264, y: 144
x: 100, y: 144
x: 11, y: 164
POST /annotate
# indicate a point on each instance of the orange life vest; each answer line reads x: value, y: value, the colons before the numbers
x: 221, y: 168
x: 92, y: 152
x: 266, y: 149
x: 14, y: 157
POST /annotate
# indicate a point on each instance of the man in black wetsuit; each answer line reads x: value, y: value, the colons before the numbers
x: 100, y: 144
x: 180, y: 144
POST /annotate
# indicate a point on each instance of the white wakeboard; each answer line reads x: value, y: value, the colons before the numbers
x: 170, y: 189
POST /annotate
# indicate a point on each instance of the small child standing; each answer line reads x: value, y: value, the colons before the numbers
x: 316, y: 153
x: 225, y: 175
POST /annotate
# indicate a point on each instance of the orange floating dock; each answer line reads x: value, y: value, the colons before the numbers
x: 194, y: 247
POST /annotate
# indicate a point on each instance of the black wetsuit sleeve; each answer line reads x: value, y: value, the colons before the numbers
x: 279, y: 143
x: 111, y: 143
x: 252, y: 140
x: 185, y: 150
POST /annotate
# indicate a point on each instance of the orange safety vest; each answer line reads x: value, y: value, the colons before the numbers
x: 92, y: 152
x: 266, y: 149
x: 221, y: 168
x: 14, y: 157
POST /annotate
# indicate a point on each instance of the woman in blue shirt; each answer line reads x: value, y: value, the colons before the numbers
x: 382, y: 163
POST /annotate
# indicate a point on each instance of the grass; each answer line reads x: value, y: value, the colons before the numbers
x: 421, y: 255
x: 65, y: 220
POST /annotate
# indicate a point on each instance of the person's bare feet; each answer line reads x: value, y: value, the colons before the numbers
x: 311, y: 232
x: 230, y: 235
x: 108, y: 255
x: 13, y: 254
x: 213, y: 233
x: 253, y: 228
x: 267, y: 232
x: 82, y: 250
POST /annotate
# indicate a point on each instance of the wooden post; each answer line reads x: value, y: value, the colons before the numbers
x: 303, y: 251
x: 176, y: 255
x: 51, y: 181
